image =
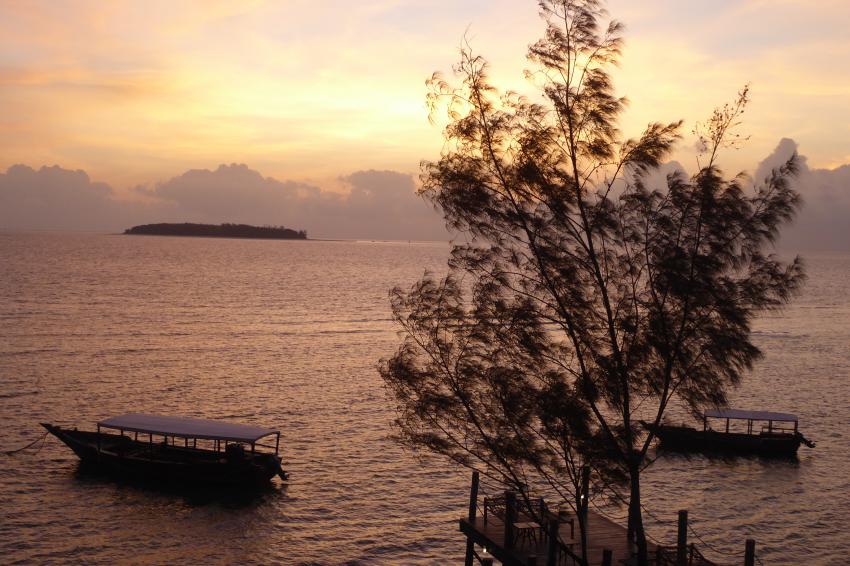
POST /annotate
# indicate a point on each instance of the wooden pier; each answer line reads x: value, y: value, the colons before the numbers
x: 525, y: 532
x: 603, y: 534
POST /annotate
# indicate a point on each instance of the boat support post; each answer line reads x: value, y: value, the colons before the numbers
x: 98, y: 438
x: 277, y: 444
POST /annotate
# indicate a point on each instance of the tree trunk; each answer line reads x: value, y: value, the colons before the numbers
x: 581, y: 516
x: 636, y: 517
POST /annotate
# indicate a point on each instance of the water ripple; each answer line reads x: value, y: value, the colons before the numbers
x: 287, y: 334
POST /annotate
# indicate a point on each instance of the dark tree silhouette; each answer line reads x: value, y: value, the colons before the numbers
x: 588, y: 298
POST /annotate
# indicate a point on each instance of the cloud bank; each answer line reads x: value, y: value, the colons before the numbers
x: 378, y: 205
x: 53, y: 198
x: 823, y: 223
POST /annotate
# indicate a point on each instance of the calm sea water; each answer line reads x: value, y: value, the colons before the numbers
x: 288, y: 334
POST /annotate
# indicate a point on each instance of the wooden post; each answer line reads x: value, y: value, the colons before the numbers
x: 98, y: 439
x: 607, y: 557
x: 473, y: 505
x: 682, y: 540
x: 277, y: 444
x: 552, y: 550
x: 470, y: 552
x: 510, y: 510
x: 473, y: 496
x: 750, y: 553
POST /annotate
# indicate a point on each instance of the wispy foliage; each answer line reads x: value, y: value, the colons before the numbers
x: 587, y: 298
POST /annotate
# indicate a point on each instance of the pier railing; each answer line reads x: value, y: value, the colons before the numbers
x: 527, y: 508
x: 519, y: 530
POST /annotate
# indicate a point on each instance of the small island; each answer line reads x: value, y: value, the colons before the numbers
x: 218, y: 231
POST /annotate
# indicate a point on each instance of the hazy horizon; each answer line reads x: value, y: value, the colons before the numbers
x: 368, y: 204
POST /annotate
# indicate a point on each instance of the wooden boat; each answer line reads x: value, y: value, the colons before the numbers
x: 775, y: 438
x: 177, y: 449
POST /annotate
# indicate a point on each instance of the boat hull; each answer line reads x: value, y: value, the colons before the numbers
x: 121, y: 455
x: 687, y: 439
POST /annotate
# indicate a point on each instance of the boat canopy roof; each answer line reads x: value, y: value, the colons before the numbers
x: 185, y: 427
x: 750, y: 415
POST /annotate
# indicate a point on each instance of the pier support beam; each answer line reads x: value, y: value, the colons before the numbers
x: 682, y: 540
x: 473, y: 506
x: 750, y: 553
x: 607, y: 557
x: 510, y: 518
x: 552, y: 549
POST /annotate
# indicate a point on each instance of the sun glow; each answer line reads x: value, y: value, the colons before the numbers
x: 133, y: 93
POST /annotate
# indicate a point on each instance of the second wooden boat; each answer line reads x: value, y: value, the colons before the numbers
x: 765, y: 433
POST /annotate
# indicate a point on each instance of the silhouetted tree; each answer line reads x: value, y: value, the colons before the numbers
x: 588, y: 298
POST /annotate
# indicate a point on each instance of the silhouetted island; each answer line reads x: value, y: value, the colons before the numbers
x: 218, y: 231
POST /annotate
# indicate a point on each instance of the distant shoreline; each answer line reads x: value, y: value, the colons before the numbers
x: 217, y: 231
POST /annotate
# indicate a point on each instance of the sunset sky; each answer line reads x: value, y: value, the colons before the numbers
x: 136, y: 93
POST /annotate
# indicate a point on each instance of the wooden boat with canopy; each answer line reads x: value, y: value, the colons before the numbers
x: 765, y: 433
x: 177, y: 449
